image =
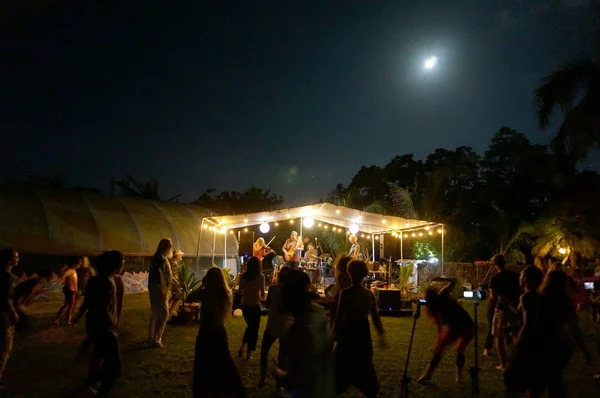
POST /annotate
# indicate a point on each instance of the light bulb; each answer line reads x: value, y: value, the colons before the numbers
x: 309, y: 222
x: 265, y: 227
x: 353, y: 228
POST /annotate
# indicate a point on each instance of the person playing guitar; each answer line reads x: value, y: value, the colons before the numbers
x: 292, y: 249
x: 260, y: 249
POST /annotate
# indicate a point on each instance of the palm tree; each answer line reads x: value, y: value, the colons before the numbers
x: 146, y: 190
x: 564, y: 238
x: 575, y: 89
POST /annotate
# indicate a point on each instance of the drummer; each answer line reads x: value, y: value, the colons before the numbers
x: 311, y: 254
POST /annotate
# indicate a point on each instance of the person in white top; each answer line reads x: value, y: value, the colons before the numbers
x: 277, y: 325
x: 69, y: 290
x: 355, y: 249
x: 252, y: 287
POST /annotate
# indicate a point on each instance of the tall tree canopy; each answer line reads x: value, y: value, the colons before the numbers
x: 252, y: 200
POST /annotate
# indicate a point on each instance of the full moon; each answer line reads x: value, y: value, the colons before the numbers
x: 431, y: 62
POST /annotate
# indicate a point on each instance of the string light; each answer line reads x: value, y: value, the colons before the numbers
x: 407, y: 225
x: 427, y: 228
x: 205, y: 226
x: 231, y: 232
x: 276, y: 224
x: 362, y: 235
x: 377, y: 237
x: 337, y: 212
x: 420, y: 233
x: 288, y: 215
x: 291, y: 221
x: 413, y: 234
x: 245, y: 229
x: 368, y: 236
x: 439, y: 231
x: 320, y: 225
x: 245, y: 220
x: 326, y: 226
x: 430, y: 232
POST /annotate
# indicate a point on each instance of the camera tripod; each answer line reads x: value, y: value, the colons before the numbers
x: 405, y: 378
x: 474, y: 370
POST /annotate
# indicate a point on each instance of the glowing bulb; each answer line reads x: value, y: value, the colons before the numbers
x: 326, y: 226
x: 431, y: 62
x: 413, y: 234
x: 245, y: 220
x: 270, y: 217
x: 384, y: 221
x: 420, y: 233
x: 337, y: 212
x: 353, y: 228
x: 276, y: 224
x: 205, y: 226
x: 245, y: 229
x: 347, y: 232
x: 377, y: 237
x: 288, y: 215
x: 368, y: 236
x: 407, y: 225
x: 265, y: 227
x: 231, y: 232
x: 320, y: 225
x: 562, y: 250
x: 430, y: 232
x: 426, y: 228
x: 309, y: 222
x: 362, y: 235
x: 439, y: 231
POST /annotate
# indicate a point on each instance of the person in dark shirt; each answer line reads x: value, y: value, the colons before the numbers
x: 9, y: 317
x: 101, y: 303
x: 525, y: 368
x: 454, y: 325
x: 504, y: 284
x: 489, y: 338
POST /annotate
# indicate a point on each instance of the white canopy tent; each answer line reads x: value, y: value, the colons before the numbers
x: 339, y: 216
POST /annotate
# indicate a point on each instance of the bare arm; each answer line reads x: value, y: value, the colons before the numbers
x: 375, y: 316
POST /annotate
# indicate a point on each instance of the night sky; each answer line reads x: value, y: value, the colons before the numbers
x: 292, y: 97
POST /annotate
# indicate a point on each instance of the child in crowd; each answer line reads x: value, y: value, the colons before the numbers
x: 70, y: 291
x: 101, y: 303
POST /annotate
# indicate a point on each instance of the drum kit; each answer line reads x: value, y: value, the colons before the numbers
x: 317, y: 267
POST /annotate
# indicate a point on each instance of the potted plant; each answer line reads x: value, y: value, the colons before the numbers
x: 408, y: 289
x: 187, y: 282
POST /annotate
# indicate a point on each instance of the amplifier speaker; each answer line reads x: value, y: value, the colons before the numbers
x: 389, y: 299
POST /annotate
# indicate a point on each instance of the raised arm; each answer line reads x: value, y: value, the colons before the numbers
x: 450, y: 288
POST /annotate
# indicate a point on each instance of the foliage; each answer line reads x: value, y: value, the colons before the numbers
x: 575, y: 89
x: 252, y: 200
x: 128, y: 186
x: 403, y: 282
x: 187, y: 281
x: 422, y: 250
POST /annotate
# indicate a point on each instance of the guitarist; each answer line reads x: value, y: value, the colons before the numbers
x: 292, y: 250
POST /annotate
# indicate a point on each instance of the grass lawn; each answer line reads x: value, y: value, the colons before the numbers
x: 42, y: 364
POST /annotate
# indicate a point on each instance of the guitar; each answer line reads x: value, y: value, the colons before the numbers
x: 288, y: 255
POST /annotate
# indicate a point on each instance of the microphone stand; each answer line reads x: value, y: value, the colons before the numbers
x: 474, y: 370
x: 405, y: 379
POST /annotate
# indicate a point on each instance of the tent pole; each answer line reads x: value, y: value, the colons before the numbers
x: 373, y: 245
x: 198, y: 245
x: 401, y: 247
x: 301, y: 222
x: 225, y: 250
x: 443, y: 249
x: 214, y: 247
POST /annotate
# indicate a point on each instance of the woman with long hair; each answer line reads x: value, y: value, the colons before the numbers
x: 454, y: 324
x: 215, y: 373
x: 342, y: 281
x: 565, y: 331
x: 352, y: 332
x: 260, y: 249
x: 252, y: 287
x: 309, y: 363
x: 160, y: 280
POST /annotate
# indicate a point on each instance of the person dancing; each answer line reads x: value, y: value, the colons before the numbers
x: 101, y: 303
x: 276, y: 326
x: 454, y: 325
x: 309, y: 366
x: 70, y: 288
x: 355, y: 250
x: 354, y: 348
x: 215, y: 374
x: 252, y: 287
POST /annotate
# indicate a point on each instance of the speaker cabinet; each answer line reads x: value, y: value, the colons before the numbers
x: 388, y: 299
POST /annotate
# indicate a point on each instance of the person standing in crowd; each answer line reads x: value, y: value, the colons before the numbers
x: 70, y: 287
x: 176, y: 264
x: 454, y: 325
x: 9, y: 317
x: 342, y: 280
x: 355, y: 250
x: 252, y: 287
x: 102, y: 306
x: 160, y: 281
x: 489, y: 338
x: 525, y: 368
x: 506, y: 284
x: 276, y: 326
x: 564, y: 331
x: 292, y: 249
x: 309, y: 368
x: 352, y: 333
x: 84, y: 273
x: 215, y: 373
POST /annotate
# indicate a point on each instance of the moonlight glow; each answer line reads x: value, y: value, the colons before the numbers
x: 431, y: 62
